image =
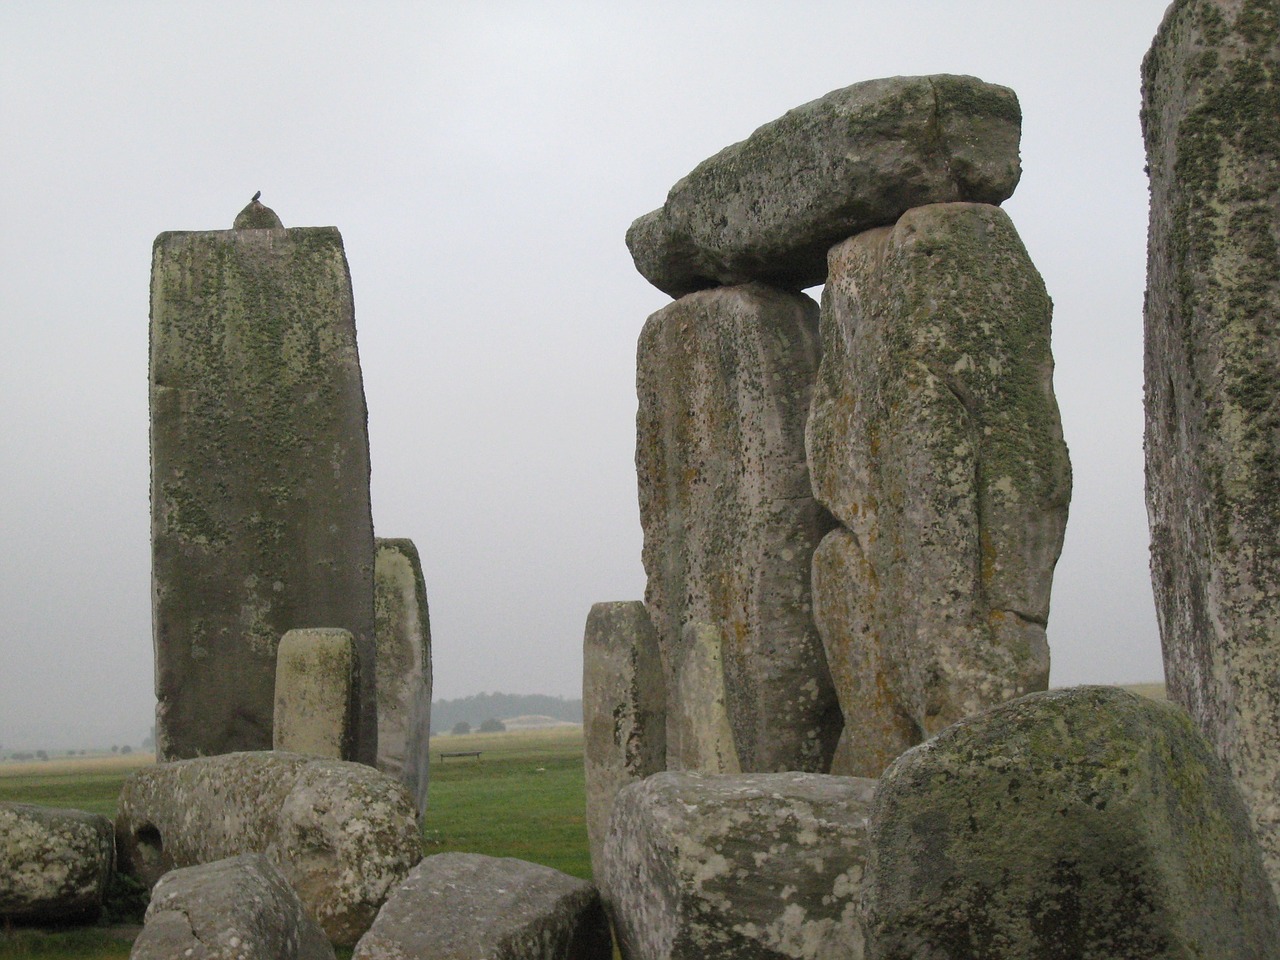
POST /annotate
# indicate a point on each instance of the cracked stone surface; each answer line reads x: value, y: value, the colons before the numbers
x: 750, y: 866
x: 342, y: 833
x: 1087, y: 822
x: 934, y: 438
x: 465, y: 906
x: 241, y: 908
x: 724, y: 379
x: 769, y: 207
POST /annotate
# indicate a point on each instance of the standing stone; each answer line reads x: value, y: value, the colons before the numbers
x: 702, y: 726
x: 1211, y: 97
x: 403, y: 630
x: 768, y: 208
x: 241, y: 908
x: 1077, y: 823
x: 759, y: 866
x: 55, y: 864
x: 466, y: 906
x: 259, y: 477
x: 730, y: 523
x: 624, y: 708
x: 317, y: 684
x: 935, y: 440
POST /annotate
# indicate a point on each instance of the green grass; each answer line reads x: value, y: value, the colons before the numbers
x: 523, y: 797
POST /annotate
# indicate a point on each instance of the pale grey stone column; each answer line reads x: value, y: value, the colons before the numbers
x: 260, y: 518
x: 317, y: 686
x: 935, y: 440
x: 624, y: 708
x: 403, y: 629
x: 724, y: 379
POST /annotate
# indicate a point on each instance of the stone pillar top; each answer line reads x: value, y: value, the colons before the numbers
x: 256, y: 216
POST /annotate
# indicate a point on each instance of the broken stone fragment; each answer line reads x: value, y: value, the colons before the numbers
x: 465, y: 906
x: 730, y: 522
x: 699, y: 866
x: 241, y: 908
x: 935, y: 440
x: 342, y: 833
x: 769, y: 207
x: 1086, y: 822
x: 55, y: 864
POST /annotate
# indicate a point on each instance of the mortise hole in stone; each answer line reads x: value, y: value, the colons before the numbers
x: 150, y: 843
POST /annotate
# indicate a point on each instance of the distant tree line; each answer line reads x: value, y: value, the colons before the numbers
x: 476, y: 709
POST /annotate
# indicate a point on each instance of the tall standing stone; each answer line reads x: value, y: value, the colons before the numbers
x: 259, y: 475
x: 403, y: 630
x: 724, y: 381
x: 317, y: 686
x: 624, y: 708
x: 935, y: 440
x: 1211, y: 103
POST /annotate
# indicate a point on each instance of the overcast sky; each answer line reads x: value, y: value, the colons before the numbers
x: 483, y: 161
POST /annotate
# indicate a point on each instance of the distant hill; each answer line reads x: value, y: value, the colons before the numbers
x: 499, y: 706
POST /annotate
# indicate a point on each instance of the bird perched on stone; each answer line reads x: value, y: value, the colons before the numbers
x: 256, y: 217
x: 256, y: 196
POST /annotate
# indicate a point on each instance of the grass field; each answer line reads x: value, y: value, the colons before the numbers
x: 522, y: 797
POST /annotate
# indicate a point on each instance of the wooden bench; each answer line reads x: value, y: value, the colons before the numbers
x: 460, y: 753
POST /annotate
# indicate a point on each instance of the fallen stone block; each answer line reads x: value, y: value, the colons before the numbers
x: 624, y: 708
x: 55, y: 864
x: 769, y: 207
x: 724, y: 380
x: 342, y: 833
x: 241, y: 908
x: 699, y: 866
x: 465, y: 906
x: 317, y: 693
x: 1086, y: 822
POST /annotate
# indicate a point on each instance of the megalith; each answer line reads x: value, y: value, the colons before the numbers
x: 1211, y: 94
x: 403, y: 630
x: 467, y: 906
x: 317, y: 688
x: 260, y: 517
x: 55, y: 864
x: 935, y: 440
x: 343, y: 834
x: 769, y: 207
x: 724, y: 379
x: 1086, y: 822
x: 624, y: 708
x: 766, y: 865
x: 241, y: 908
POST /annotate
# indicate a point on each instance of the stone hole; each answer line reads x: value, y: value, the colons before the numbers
x: 150, y: 844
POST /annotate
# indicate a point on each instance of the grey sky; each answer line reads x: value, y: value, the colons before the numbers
x: 483, y: 161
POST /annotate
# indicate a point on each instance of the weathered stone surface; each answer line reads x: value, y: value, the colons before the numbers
x: 702, y: 726
x: 259, y: 477
x: 241, y: 908
x: 1211, y: 93
x: 342, y: 833
x: 403, y: 630
x: 257, y: 216
x: 759, y: 865
x: 1078, y: 823
x: 768, y: 208
x: 724, y: 380
x: 624, y: 708
x: 317, y: 687
x: 935, y: 440
x: 465, y: 906
x: 55, y: 864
